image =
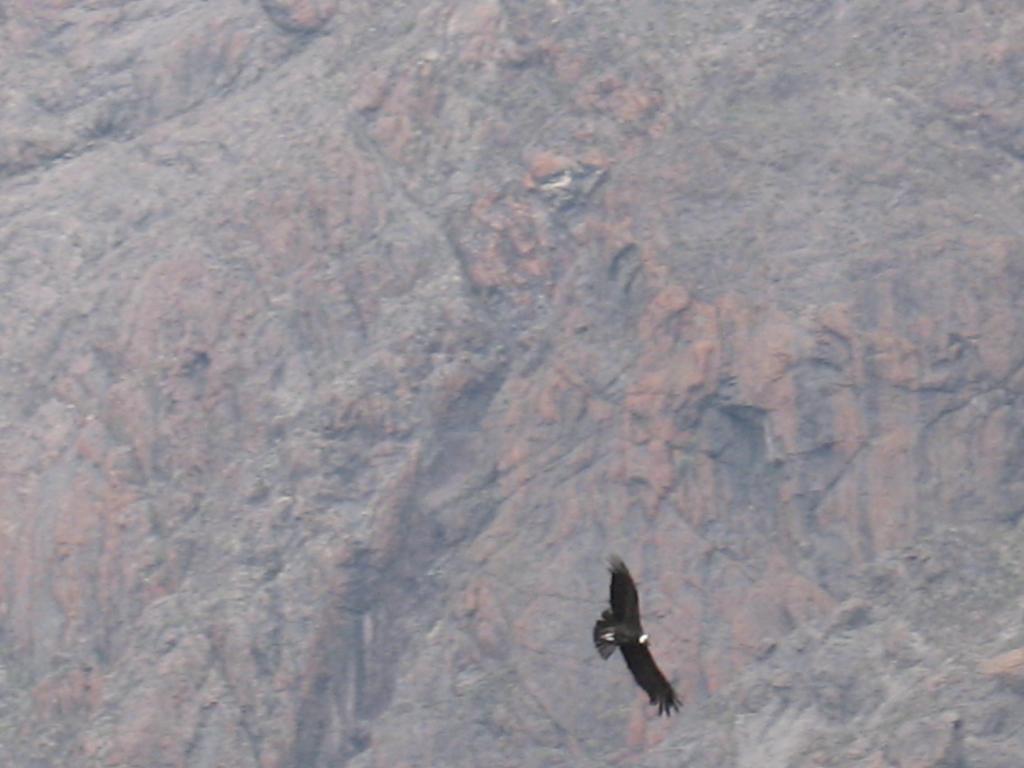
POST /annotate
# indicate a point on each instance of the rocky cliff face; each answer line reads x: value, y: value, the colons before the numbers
x: 341, y: 342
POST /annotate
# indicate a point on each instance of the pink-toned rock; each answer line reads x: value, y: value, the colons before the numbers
x: 545, y: 164
x: 339, y: 345
x: 300, y: 15
x: 474, y: 27
x: 1008, y: 666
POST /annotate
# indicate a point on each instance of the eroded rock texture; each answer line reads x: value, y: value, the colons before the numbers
x: 341, y: 342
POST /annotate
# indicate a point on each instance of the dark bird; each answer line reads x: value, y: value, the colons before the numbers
x: 619, y: 626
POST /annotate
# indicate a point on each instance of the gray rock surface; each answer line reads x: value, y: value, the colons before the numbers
x: 341, y: 342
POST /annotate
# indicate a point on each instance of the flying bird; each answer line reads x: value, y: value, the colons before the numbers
x: 619, y: 627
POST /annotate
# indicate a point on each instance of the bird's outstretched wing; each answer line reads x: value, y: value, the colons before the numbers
x: 624, y: 599
x: 649, y: 677
x: 606, y: 647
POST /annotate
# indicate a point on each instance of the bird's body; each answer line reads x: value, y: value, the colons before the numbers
x: 619, y: 627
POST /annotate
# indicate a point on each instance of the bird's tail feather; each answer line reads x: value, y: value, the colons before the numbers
x: 605, y: 624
